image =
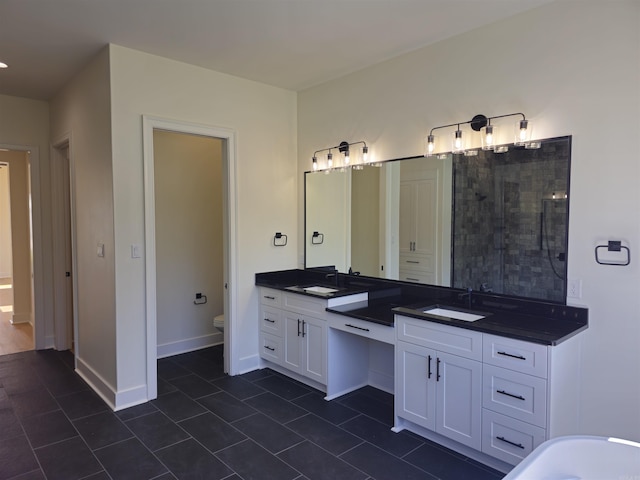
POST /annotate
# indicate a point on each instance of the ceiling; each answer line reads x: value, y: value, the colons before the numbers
x: 293, y: 44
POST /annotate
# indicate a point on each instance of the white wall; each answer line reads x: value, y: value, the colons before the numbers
x: 24, y: 123
x: 573, y: 67
x: 82, y: 111
x: 189, y: 236
x: 330, y: 216
x: 264, y: 119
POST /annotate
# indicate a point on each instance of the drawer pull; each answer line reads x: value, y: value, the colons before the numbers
x: 429, y: 367
x: 519, y: 357
x: 269, y: 320
x: 502, y: 392
x: 354, y: 326
x: 270, y: 348
x: 413, y: 279
x: 438, y: 369
x: 303, y: 332
x: 413, y: 261
x: 519, y: 445
x: 298, y: 327
x: 269, y: 297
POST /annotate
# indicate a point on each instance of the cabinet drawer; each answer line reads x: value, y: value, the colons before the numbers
x: 406, y: 275
x: 271, y: 320
x: 458, y: 341
x: 517, y: 395
x: 303, y: 304
x: 509, y: 439
x: 416, y: 262
x: 271, y: 348
x: 363, y: 328
x: 270, y: 297
x: 515, y: 355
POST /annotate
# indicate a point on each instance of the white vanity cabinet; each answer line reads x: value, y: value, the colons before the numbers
x: 499, y: 396
x: 514, y: 397
x: 305, y: 344
x: 293, y: 333
x: 439, y: 379
x: 290, y: 336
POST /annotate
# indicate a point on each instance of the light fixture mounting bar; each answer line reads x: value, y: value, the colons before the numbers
x: 342, y: 147
x: 477, y: 122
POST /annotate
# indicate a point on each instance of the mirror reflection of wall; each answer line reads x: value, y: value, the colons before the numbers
x: 496, y: 226
x: 365, y: 221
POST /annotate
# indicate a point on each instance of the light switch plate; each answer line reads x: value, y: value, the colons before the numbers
x: 100, y: 250
x: 135, y: 251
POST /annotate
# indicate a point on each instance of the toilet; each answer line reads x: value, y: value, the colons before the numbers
x: 218, y: 322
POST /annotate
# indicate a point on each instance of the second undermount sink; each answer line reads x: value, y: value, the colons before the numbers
x: 320, y: 290
x: 451, y: 313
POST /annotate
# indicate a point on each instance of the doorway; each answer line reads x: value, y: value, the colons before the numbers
x: 228, y: 157
x: 16, y: 258
x: 64, y: 285
x: 189, y: 241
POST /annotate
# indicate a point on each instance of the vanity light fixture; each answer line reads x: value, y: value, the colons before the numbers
x: 488, y: 139
x: 489, y: 135
x: 344, y: 148
x: 458, y: 143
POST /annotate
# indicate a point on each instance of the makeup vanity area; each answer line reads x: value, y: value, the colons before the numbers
x: 475, y: 361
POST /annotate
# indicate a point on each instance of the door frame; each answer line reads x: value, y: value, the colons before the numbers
x: 41, y: 341
x: 149, y: 124
x: 61, y: 327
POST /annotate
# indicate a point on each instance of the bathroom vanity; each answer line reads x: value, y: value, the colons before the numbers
x: 488, y: 376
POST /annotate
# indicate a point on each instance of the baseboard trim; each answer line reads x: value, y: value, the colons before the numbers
x: 24, y: 317
x: 96, y: 382
x: 248, y: 364
x: 131, y: 397
x: 189, y: 345
x: 381, y: 381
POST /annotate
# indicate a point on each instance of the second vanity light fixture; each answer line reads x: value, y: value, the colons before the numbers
x: 483, y: 123
x: 344, y: 149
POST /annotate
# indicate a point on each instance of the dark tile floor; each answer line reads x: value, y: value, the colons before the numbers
x: 205, y: 425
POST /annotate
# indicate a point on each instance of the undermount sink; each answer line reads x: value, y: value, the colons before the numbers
x: 320, y: 290
x: 455, y: 314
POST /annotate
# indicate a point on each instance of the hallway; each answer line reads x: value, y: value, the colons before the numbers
x: 13, y: 338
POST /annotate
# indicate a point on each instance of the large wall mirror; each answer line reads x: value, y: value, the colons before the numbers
x: 493, y: 221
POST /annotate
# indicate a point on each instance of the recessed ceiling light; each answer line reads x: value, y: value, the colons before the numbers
x: 3, y: 65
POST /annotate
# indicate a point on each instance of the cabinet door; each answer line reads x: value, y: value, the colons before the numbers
x: 315, y: 346
x: 415, y: 396
x: 407, y: 217
x: 459, y: 404
x: 426, y: 217
x: 292, y: 355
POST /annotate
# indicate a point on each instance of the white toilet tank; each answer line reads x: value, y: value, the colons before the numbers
x: 218, y: 322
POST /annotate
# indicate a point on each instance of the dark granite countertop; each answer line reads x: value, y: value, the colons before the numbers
x: 523, y: 319
x: 296, y: 280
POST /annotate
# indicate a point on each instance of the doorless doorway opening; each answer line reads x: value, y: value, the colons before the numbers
x: 227, y: 137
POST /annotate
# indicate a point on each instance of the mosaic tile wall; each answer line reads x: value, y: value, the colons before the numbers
x: 510, y: 221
